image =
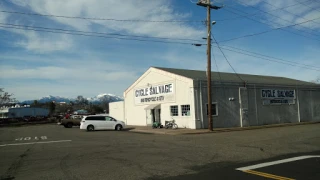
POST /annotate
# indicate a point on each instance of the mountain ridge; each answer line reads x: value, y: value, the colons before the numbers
x: 96, y: 99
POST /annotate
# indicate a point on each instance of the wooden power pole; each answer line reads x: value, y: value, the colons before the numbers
x: 209, y: 7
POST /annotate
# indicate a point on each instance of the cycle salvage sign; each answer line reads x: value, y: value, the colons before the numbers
x: 278, y: 96
x: 155, y: 94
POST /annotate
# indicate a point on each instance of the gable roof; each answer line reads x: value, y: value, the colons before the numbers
x: 233, y: 78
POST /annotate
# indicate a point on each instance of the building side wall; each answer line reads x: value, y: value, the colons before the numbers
x: 276, y: 114
x: 135, y: 114
x: 116, y: 110
x: 257, y: 112
x: 309, y: 105
x: 228, y: 111
x: 253, y: 117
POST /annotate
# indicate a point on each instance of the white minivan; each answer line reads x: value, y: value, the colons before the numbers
x: 101, y: 122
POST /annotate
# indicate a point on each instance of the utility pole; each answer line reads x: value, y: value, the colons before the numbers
x: 209, y: 7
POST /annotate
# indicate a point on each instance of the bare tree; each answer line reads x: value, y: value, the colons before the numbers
x: 317, y: 80
x: 6, y: 97
x: 105, y: 104
x: 81, y: 100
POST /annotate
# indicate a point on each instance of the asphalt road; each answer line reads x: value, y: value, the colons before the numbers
x: 54, y: 152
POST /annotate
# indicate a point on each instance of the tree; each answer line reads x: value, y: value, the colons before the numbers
x: 105, y: 104
x: 35, y: 103
x: 52, y: 107
x: 95, y: 109
x: 317, y: 80
x: 81, y: 101
x: 6, y: 97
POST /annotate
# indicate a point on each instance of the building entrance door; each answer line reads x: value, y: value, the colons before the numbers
x: 243, y: 98
x: 158, y: 119
x: 153, y: 115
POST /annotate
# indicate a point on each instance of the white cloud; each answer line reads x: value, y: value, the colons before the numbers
x: 64, y: 74
x: 3, y: 16
x: 127, y: 9
x: 65, y: 77
x: 43, y: 44
x: 287, y: 16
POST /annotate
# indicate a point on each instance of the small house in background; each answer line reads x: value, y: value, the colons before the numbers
x: 81, y: 112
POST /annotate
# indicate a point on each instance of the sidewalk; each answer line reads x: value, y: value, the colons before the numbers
x: 150, y: 130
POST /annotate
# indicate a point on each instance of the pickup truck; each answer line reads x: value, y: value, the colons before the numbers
x: 68, y: 123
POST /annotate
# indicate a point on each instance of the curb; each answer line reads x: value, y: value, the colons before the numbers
x: 252, y: 128
x: 222, y: 130
x: 149, y: 132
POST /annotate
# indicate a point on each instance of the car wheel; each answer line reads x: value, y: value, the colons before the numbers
x: 69, y: 125
x: 90, y: 128
x: 118, y: 127
x: 65, y: 126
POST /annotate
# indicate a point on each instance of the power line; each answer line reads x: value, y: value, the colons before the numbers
x: 269, y: 24
x: 250, y: 15
x: 100, y: 33
x: 273, y: 29
x: 226, y: 58
x: 169, y: 42
x: 307, y: 6
x: 280, y: 18
x: 267, y: 59
x: 100, y: 36
x: 290, y: 12
x: 272, y: 57
x: 99, y: 19
x: 215, y: 61
x: 219, y: 74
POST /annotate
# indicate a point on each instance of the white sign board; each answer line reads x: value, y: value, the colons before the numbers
x: 155, y: 94
x: 277, y: 94
x: 278, y: 101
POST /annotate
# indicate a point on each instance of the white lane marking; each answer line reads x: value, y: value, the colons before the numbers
x: 29, y: 138
x: 275, y: 162
x: 45, y: 142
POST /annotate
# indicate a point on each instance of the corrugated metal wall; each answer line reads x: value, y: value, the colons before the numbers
x: 231, y: 115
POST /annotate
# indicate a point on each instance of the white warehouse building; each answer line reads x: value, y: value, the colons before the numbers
x: 163, y: 94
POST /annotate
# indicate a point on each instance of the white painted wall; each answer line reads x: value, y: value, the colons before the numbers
x: 183, y: 93
x: 116, y: 110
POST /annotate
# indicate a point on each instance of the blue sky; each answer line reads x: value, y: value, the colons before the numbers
x: 34, y: 64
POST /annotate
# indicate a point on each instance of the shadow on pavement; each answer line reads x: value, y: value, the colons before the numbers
x: 227, y: 170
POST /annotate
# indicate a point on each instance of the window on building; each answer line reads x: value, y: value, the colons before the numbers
x: 214, y: 109
x: 174, y: 110
x: 185, y: 110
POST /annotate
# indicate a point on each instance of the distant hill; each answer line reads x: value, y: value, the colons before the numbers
x: 95, y: 100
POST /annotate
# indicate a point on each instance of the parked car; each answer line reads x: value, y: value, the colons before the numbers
x: 68, y: 123
x: 101, y: 122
